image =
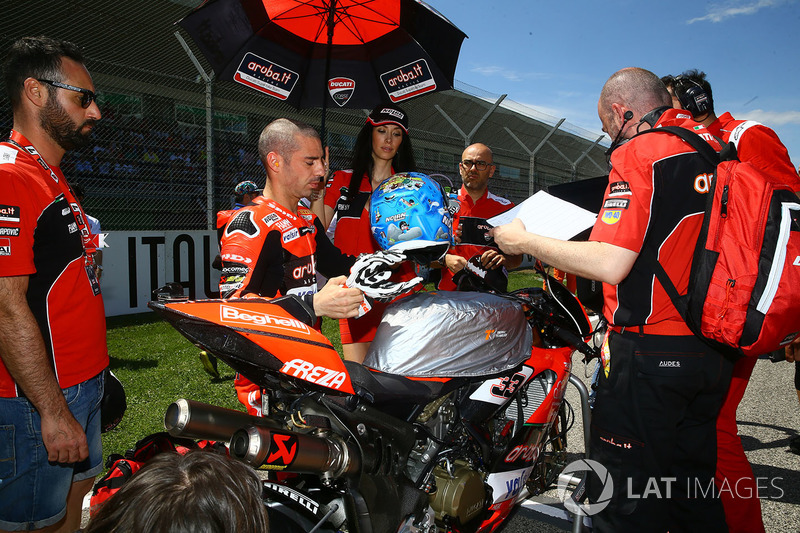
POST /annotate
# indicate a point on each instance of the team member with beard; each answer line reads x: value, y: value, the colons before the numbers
x: 52, y: 322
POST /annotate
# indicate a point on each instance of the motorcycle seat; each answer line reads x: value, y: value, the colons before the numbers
x: 379, y: 387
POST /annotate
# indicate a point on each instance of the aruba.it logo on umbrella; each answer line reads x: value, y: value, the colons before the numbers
x: 265, y: 76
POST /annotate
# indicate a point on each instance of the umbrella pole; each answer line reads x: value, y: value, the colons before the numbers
x: 331, y: 22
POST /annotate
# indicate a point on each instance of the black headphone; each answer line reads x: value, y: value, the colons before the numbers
x: 692, y: 96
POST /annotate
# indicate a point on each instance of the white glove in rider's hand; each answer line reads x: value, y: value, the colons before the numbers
x: 371, y: 273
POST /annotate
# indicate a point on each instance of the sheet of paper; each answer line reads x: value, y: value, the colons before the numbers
x: 546, y: 215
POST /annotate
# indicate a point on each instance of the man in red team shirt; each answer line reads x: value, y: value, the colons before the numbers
x: 653, y: 423
x: 476, y: 204
x: 760, y: 146
x: 52, y: 321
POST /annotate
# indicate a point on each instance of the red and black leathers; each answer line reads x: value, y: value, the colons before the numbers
x: 268, y: 251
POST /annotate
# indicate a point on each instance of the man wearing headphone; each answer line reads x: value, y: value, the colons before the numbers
x: 761, y: 147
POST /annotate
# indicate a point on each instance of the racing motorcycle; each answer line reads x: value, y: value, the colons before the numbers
x: 456, y: 415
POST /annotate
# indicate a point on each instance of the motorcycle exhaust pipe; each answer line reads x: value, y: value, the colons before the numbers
x: 274, y: 449
x: 197, y: 420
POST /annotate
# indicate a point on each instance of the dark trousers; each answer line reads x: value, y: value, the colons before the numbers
x: 654, y: 430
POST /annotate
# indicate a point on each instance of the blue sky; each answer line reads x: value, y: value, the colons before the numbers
x: 555, y: 56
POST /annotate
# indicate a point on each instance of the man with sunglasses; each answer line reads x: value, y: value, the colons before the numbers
x: 476, y: 204
x: 52, y: 321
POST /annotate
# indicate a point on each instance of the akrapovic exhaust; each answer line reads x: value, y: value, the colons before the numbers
x: 197, y: 420
x: 275, y: 449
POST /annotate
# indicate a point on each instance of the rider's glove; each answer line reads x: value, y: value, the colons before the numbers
x: 371, y: 273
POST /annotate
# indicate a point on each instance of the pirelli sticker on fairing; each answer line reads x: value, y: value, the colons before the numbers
x: 616, y: 203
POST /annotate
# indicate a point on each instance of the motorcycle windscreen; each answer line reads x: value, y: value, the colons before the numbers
x: 258, y: 337
x: 450, y: 334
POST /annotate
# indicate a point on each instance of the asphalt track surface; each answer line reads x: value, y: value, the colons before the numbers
x: 768, y: 417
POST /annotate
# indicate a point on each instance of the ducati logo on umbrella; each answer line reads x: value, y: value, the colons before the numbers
x: 341, y: 89
x: 265, y: 76
x: 408, y: 81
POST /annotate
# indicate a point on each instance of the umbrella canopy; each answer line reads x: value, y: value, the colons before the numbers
x: 316, y: 53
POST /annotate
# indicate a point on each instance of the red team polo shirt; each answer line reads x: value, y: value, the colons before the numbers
x: 487, y: 206
x: 656, y: 197
x: 760, y: 146
x: 41, y: 226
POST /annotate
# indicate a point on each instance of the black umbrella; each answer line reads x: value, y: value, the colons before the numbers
x: 311, y: 53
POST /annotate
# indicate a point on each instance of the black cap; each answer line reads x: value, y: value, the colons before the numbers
x: 388, y: 114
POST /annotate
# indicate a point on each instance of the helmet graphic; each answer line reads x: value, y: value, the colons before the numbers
x: 409, y: 213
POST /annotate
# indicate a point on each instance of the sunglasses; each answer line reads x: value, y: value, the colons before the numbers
x: 87, y: 98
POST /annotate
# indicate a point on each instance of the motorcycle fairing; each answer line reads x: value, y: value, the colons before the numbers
x: 573, y: 315
x: 558, y: 361
x: 507, y: 485
x: 450, y: 334
x: 499, y: 390
x: 257, y: 336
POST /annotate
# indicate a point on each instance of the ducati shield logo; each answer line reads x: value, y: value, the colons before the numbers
x: 341, y: 90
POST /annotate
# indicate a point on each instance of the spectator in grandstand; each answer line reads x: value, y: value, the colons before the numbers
x: 476, y: 204
x: 382, y: 148
x: 51, y: 310
x: 200, y: 491
x: 761, y: 147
